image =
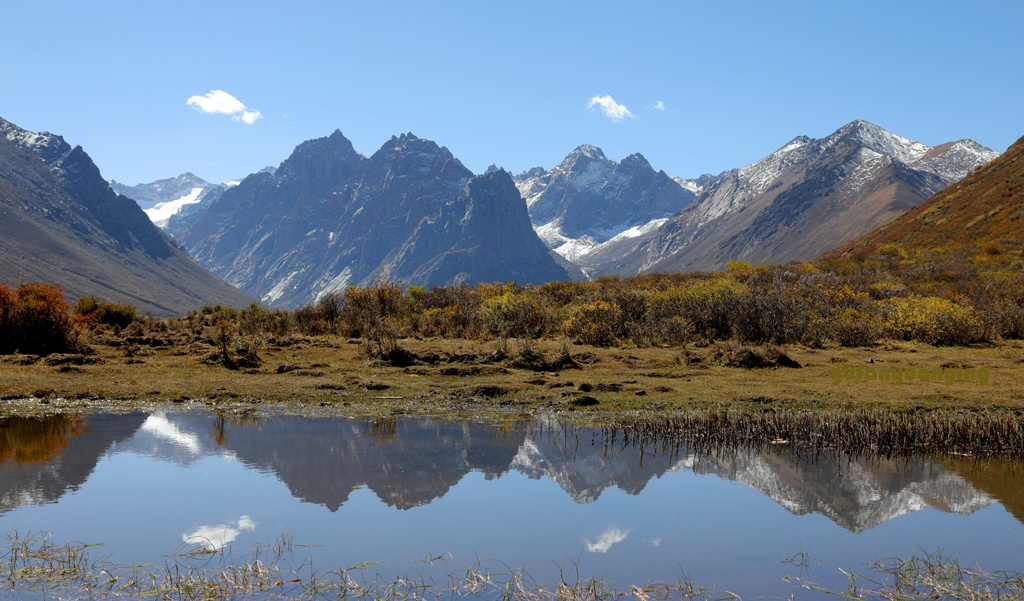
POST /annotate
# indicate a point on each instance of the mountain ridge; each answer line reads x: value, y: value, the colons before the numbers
x: 63, y: 224
x: 330, y: 217
x: 796, y: 203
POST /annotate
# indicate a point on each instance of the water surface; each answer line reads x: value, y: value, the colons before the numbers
x: 538, y: 494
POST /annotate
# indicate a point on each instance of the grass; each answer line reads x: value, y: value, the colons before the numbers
x: 967, y: 400
x: 935, y: 576
x: 36, y: 567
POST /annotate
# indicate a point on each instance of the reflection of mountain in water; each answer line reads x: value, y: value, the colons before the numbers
x: 411, y: 462
x: 857, y: 494
x: 406, y: 463
x: 32, y: 478
x: 585, y: 463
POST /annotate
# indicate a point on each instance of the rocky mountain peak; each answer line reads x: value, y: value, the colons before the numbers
x: 635, y: 162
x: 582, y: 157
x: 49, y: 147
x: 873, y: 137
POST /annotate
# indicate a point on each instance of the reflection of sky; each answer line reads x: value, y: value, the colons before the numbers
x: 215, y: 538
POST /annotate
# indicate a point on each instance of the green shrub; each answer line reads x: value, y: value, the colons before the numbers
x: 101, y: 312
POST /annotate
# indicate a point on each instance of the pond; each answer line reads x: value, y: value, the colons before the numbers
x: 427, y: 497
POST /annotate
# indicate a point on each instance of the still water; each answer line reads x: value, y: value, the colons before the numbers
x: 541, y: 495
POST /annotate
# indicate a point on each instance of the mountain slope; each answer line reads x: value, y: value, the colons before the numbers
x: 61, y: 223
x: 986, y: 207
x: 798, y: 202
x: 330, y: 217
x: 587, y: 199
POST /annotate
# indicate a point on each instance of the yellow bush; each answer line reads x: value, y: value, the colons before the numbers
x: 593, y: 323
x: 932, y: 319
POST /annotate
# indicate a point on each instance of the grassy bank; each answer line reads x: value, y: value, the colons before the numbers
x: 746, y: 393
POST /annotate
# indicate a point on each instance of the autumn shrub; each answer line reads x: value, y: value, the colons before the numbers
x: 515, y: 313
x: 101, y: 312
x: 374, y: 313
x: 593, y: 323
x: 324, y: 316
x: 635, y: 322
x: 34, y: 319
x: 450, y: 311
x: 932, y: 320
x: 255, y: 321
x: 706, y: 305
x: 772, y: 309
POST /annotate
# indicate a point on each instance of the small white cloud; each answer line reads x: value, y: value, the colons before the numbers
x: 610, y: 536
x: 611, y: 109
x: 219, y: 102
x: 249, y: 117
x: 659, y: 106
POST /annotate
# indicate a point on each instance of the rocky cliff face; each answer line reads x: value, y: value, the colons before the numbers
x: 330, y: 217
x: 589, y: 199
x: 60, y: 222
x: 807, y: 197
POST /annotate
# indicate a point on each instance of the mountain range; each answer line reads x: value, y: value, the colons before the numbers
x: 588, y: 199
x: 985, y: 208
x: 802, y: 200
x: 330, y: 217
x: 60, y: 222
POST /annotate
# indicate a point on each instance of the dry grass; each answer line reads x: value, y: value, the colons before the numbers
x: 459, y: 376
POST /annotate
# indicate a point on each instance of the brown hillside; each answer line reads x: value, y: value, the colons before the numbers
x: 986, y: 207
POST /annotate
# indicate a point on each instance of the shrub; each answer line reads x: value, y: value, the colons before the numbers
x: 933, y: 320
x: 373, y: 312
x: 103, y: 313
x: 515, y: 313
x: 34, y: 319
x: 593, y: 323
x: 707, y: 305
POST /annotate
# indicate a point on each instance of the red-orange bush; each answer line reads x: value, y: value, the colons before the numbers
x: 34, y: 319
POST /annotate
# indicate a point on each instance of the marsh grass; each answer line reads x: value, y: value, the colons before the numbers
x: 35, y: 567
x: 876, y: 432
x: 935, y: 576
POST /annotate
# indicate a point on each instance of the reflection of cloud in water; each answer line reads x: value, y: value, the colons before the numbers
x: 158, y: 425
x: 214, y: 538
x: 610, y: 536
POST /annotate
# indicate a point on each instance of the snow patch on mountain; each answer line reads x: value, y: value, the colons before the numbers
x: 161, y: 212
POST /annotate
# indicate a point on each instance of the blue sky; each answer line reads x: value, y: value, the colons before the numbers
x: 696, y: 87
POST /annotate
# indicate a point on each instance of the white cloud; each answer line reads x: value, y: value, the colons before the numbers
x: 611, y: 109
x: 610, y: 536
x: 219, y: 102
x: 659, y: 106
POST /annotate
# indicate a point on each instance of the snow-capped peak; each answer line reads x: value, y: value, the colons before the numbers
x: 879, y: 140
